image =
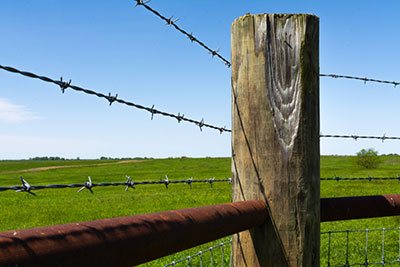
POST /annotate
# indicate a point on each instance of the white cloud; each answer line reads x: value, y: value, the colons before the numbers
x: 12, y: 113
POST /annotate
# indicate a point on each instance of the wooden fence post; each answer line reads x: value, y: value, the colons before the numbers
x: 275, y: 137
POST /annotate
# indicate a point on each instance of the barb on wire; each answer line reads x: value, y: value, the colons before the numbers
x: 166, y: 181
x: 365, y: 80
x: 129, y: 183
x: 26, y: 187
x: 64, y: 85
x: 211, y: 181
x: 111, y: 99
x: 172, y: 22
x: 89, y: 185
x: 356, y: 137
x: 189, y: 182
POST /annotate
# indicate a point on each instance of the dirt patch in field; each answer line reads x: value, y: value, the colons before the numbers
x: 39, y: 169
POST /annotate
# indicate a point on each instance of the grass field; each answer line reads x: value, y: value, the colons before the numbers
x: 21, y: 210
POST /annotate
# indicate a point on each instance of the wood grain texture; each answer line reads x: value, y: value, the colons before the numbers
x: 275, y: 137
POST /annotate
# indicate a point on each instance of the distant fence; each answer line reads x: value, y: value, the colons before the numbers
x: 366, y: 247
x: 214, y: 255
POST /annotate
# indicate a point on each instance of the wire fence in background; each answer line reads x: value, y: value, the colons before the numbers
x: 89, y: 185
x: 360, y: 247
x: 342, y: 248
x: 217, y: 255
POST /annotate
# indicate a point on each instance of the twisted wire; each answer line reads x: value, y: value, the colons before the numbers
x: 172, y: 22
x: 365, y: 80
x: 356, y: 137
x: 359, y: 178
x: 111, y: 99
x: 129, y: 183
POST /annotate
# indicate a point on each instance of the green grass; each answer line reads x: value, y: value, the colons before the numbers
x: 20, y: 210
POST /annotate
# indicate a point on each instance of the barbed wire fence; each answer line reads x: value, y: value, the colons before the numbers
x: 369, y: 179
x: 171, y: 21
x: 153, y: 111
x: 114, y: 98
x: 353, y: 254
x: 369, y: 253
x: 129, y: 183
x: 383, y: 138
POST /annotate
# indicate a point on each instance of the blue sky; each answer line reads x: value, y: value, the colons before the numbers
x: 111, y: 46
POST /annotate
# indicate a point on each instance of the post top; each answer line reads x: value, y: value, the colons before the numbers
x: 275, y: 15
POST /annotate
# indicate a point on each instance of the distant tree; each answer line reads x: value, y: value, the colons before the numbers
x: 46, y: 158
x: 368, y: 158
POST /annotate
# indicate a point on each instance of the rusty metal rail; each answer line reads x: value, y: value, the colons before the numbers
x: 349, y: 208
x: 127, y: 241
x: 133, y: 240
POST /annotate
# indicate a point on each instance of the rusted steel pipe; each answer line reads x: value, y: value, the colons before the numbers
x: 348, y: 208
x: 127, y: 241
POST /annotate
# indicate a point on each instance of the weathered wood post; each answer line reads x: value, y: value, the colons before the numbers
x: 275, y: 137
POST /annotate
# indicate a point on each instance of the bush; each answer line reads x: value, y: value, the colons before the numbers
x: 368, y: 158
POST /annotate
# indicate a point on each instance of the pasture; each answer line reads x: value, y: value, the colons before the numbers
x: 57, y: 206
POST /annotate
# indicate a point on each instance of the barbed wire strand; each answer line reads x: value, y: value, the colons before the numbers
x: 111, y: 99
x: 337, y: 178
x: 172, y: 22
x: 89, y: 185
x: 356, y: 137
x: 365, y: 80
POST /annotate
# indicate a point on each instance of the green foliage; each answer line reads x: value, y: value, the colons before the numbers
x: 65, y: 205
x: 368, y: 158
